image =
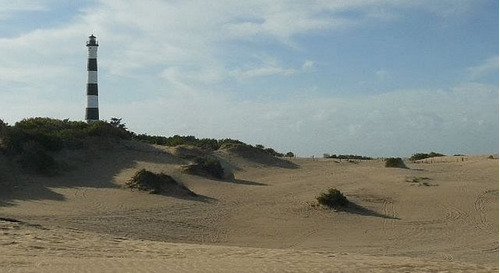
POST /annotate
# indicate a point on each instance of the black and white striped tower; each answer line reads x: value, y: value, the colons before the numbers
x: 92, y: 111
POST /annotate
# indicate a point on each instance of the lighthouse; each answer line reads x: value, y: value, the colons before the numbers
x: 92, y: 110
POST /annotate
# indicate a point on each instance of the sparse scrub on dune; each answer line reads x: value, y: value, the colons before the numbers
x: 419, y: 180
x: 395, y: 162
x: 54, y: 134
x: 420, y: 156
x: 340, y: 156
x: 47, y: 136
x: 176, y: 140
x: 205, y: 165
x: 108, y: 129
x: 332, y: 199
x: 208, y: 144
x: 157, y: 183
x: 35, y: 159
x: 31, y: 141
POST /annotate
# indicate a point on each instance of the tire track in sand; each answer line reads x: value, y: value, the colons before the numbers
x: 390, y: 217
x: 479, y: 207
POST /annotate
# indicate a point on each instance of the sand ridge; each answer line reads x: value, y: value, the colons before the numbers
x: 430, y: 217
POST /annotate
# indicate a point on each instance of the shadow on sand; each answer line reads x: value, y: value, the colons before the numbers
x: 96, y: 165
x: 354, y: 208
x: 191, y: 197
x: 245, y: 182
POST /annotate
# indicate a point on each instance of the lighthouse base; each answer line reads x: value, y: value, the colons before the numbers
x: 92, y: 114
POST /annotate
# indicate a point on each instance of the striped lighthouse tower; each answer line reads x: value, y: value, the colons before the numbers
x: 92, y: 111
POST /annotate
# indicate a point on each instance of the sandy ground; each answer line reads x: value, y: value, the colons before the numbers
x: 432, y: 217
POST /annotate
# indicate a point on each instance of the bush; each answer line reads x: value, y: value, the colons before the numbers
x: 394, y: 162
x: 420, y: 156
x: 354, y: 157
x: 154, y: 183
x: 332, y: 199
x: 34, y: 158
x: 147, y: 181
x: 54, y: 135
x: 31, y: 140
x: 176, y: 140
x: 206, y: 165
x: 105, y: 129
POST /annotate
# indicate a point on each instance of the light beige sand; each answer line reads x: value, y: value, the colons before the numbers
x: 428, y: 218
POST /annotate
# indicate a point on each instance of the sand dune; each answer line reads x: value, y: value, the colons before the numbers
x: 439, y: 216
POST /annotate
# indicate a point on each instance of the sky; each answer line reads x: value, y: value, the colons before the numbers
x: 376, y: 78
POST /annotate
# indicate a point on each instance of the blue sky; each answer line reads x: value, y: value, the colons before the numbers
x: 377, y: 78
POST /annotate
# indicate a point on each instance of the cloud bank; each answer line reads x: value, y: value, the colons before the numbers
x: 245, y: 70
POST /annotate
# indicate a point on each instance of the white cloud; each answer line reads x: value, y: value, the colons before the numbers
x: 488, y: 67
x: 396, y: 123
x: 136, y: 37
x: 7, y: 6
x: 269, y: 70
x: 178, y: 54
x: 382, y: 74
x: 308, y: 65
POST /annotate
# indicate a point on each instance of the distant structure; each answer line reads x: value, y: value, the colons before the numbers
x: 92, y: 111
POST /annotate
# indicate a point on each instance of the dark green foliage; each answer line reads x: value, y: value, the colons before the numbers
x: 117, y: 123
x: 147, y: 181
x: 54, y: 134
x: 357, y: 157
x: 433, y: 154
x: 394, y: 162
x: 32, y: 140
x: 204, y: 143
x: 35, y: 159
x: 420, y: 156
x: 51, y: 134
x: 3, y: 128
x: 176, y: 140
x: 209, y: 165
x: 157, y: 183
x: 332, y: 199
x: 105, y: 129
x: 290, y: 154
x: 272, y: 152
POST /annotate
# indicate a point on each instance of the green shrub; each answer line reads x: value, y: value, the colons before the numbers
x: 176, y: 140
x: 34, y: 158
x: 31, y: 140
x: 205, y: 166
x: 105, y: 129
x: 420, y: 156
x: 332, y: 199
x: 340, y: 156
x: 51, y: 134
x: 3, y: 128
x: 148, y: 181
x: 210, y: 165
x: 394, y: 162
